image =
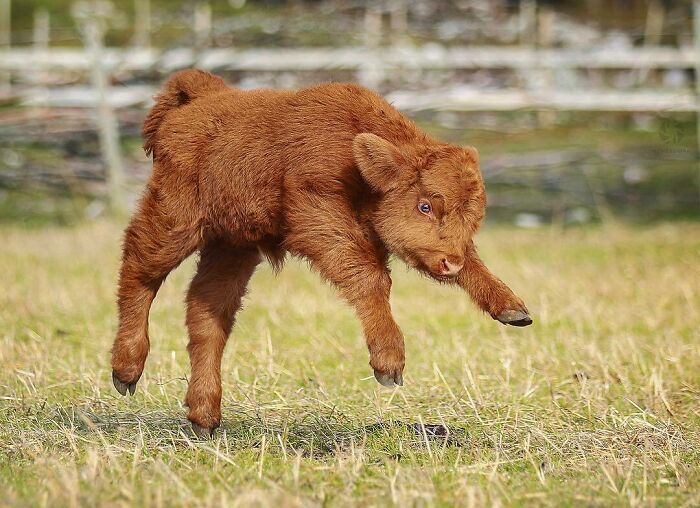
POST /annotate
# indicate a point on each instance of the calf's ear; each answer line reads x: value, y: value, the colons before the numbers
x: 378, y: 161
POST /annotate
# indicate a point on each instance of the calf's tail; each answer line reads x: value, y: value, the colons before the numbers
x: 180, y: 89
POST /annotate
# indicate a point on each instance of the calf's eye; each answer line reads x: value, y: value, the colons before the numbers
x: 424, y: 207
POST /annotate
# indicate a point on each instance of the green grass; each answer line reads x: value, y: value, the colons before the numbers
x: 594, y: 133
x: 597, y: 403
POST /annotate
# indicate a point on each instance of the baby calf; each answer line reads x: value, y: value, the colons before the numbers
x: 331, y: 173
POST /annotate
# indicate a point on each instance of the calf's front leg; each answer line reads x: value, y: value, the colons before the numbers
x: 385, y: 342
x: 366, y: 285
x: 490, y: 293
x: 335, y: 244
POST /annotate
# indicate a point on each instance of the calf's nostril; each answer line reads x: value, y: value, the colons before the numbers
x: 444, y: 265
x: 449, y: 268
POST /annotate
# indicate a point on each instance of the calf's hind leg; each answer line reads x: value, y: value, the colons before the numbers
x: 154, y: 244
x: 213, y: 299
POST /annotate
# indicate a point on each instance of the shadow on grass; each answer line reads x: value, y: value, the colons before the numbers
x: 309, y: 433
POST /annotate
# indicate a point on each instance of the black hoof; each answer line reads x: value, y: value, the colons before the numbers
x: 202, y: 432
x: 389, y: 380
x: 514, y: 318
x: 123, y: 387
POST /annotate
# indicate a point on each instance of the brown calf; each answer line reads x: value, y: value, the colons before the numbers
x: 331, y: 173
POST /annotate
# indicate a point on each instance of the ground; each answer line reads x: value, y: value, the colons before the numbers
x: 597, y: 403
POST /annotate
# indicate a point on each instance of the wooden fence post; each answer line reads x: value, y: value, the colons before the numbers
x: 545, y: 26
x: 41, y: 34
x: 653, y: 29
x: 42, y: 29
x: 696, y: 40
x: 527, y: 37
x: 373, y: 25
x: 202, y: 25
x: 527, y: 22
x: 372, y: 73
x: 398, y: 21
x: 93, y: 15
x: 142, y: 23
x: 5, y: 42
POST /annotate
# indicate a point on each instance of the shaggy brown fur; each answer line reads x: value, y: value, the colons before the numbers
x: 331, y: 173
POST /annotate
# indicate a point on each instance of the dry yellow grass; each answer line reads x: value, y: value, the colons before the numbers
x: 597, y: 403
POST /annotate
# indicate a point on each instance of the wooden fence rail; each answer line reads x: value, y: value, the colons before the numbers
x: 351, y: 58
x: 453, y: 99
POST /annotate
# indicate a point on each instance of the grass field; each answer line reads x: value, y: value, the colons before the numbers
x: 597, y: 403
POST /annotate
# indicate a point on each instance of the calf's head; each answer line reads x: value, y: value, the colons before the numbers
x: 432, y: 200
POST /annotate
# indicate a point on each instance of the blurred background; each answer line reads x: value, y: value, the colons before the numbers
x: 584, y: 111
x: 586, y: 116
